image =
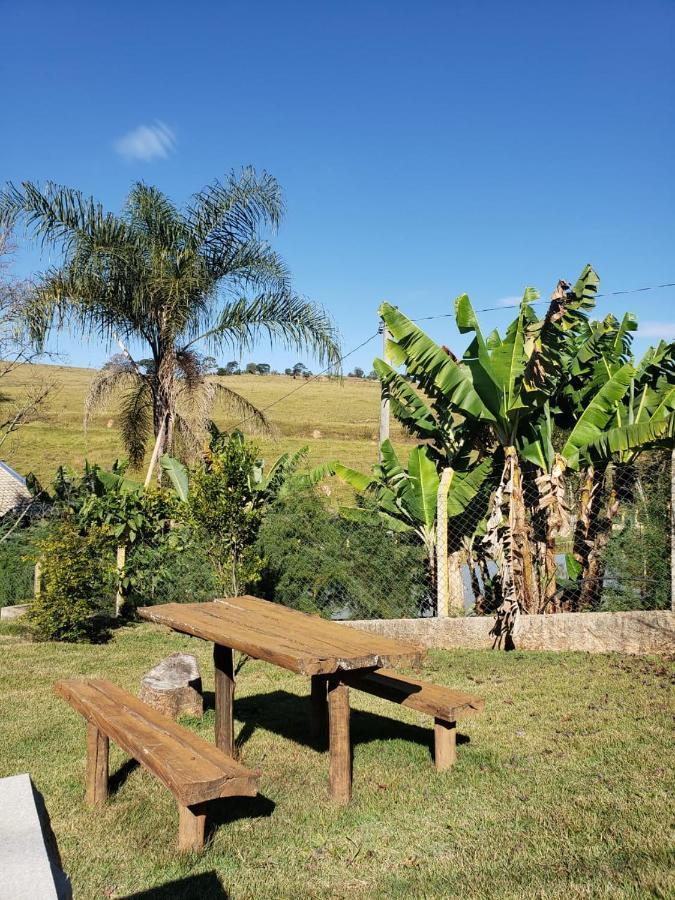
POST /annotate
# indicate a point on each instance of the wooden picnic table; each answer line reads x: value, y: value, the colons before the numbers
x: 305, y: 644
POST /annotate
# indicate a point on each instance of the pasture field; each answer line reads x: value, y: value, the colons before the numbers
x: 563, y: 786
x: 334, y: 419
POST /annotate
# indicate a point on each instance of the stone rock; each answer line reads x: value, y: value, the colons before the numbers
x: 30, y: 865
x: 174, y: 686
x: 8, y: 613
x: 638, y: 631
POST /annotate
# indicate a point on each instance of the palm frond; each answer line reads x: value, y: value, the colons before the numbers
x: 282, y: 316
x: 135, y: 419
x: 116, y: 375
x: 233, y: 211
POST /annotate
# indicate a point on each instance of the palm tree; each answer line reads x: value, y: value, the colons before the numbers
x: 174, y: 280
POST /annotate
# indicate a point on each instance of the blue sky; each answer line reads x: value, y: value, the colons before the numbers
x: 425, y: 148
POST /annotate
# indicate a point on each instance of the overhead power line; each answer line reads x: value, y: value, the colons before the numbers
x: 313, y: 377
x: 652, y: 287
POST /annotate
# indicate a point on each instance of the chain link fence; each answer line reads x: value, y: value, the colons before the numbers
x: 610, y: 550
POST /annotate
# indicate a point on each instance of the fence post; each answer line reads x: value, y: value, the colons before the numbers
x: 121, y: 562
x: 37, y: 579
x: 442, y: 543
x: 384, y: 400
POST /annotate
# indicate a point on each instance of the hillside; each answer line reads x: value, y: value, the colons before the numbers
x: 334, y: 419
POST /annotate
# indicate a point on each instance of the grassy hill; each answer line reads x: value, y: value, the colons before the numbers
x: 334, y: 419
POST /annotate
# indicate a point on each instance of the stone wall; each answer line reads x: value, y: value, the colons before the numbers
x: 621, y: 632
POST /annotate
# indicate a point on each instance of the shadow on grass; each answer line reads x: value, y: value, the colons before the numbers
x: 206, y: 886
x: 218, y: 812
x: 290, y: 716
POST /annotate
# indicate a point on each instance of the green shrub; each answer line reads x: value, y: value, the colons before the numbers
x: 317, y: 562
x: 169, y: 573
x: 78, y: 583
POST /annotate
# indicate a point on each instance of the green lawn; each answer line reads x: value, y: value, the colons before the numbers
x: 562, y: 787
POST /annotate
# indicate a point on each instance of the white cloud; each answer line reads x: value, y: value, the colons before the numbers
x: 147, y: 142
x: 665, y: 330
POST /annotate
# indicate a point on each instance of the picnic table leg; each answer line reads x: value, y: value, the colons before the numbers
x: 340, y: 778
x: 97, y: 766
x: 445, y: 742
x: 319, y: 700
x: 224, y: 671
x: 191, y: 828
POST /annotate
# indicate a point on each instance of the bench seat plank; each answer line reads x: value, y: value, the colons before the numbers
x: 431, y: 699
x: 194, y: 770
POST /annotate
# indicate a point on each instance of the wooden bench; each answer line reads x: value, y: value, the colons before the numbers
x: 194, y: 770
x: 444, y: 704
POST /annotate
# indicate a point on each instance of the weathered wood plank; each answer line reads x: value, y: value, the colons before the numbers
x: 223, y: 664
x: 432, y: 699
x: 293, y: 640
x: 190, y: 767
x: 98, y: 745
x: 340, y: 765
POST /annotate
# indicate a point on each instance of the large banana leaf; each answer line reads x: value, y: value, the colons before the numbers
x: 374, y: 517
x: 408, y: 407
x: 390, y: 465
x: 597, y: 415
x: 509, y: 359
x: 177, y: 474
x: 435, y: 370
x: 421, y: 491
x: 357, y: 480
x: 466, y: 485
x: 636, y: 437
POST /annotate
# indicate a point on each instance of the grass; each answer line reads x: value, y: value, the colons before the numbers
x: 334, y: 419
x: 563, y: 786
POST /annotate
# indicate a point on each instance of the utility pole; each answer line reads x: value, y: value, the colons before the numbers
x: 384, y: 399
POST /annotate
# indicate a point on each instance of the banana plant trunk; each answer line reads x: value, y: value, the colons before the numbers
x: 522, y: 559
x: 592, y: 533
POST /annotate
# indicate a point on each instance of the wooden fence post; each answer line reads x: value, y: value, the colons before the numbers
x: 37, y: 580
x: 442, y: 543
x: 121, y: 562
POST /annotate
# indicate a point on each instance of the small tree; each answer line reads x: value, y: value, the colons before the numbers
x: 357, y: 372
x: 225, y: 498
x: 264, y: 368
x: 232, y: 368
x: 251, y: 368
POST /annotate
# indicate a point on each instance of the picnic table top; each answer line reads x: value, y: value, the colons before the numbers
x: 308, y: 645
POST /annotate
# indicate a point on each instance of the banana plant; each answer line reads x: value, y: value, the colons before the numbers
x: 497, y: 396
x: 405, y: 500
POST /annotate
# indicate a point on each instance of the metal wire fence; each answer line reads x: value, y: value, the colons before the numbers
x: 609, y: 550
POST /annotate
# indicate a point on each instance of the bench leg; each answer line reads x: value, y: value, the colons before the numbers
x: 191, y: 828
x: 96, y: 791
x: 224, y: 671
x: 445, y: 749
x: 319, y: 701
x: 340, y: 744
